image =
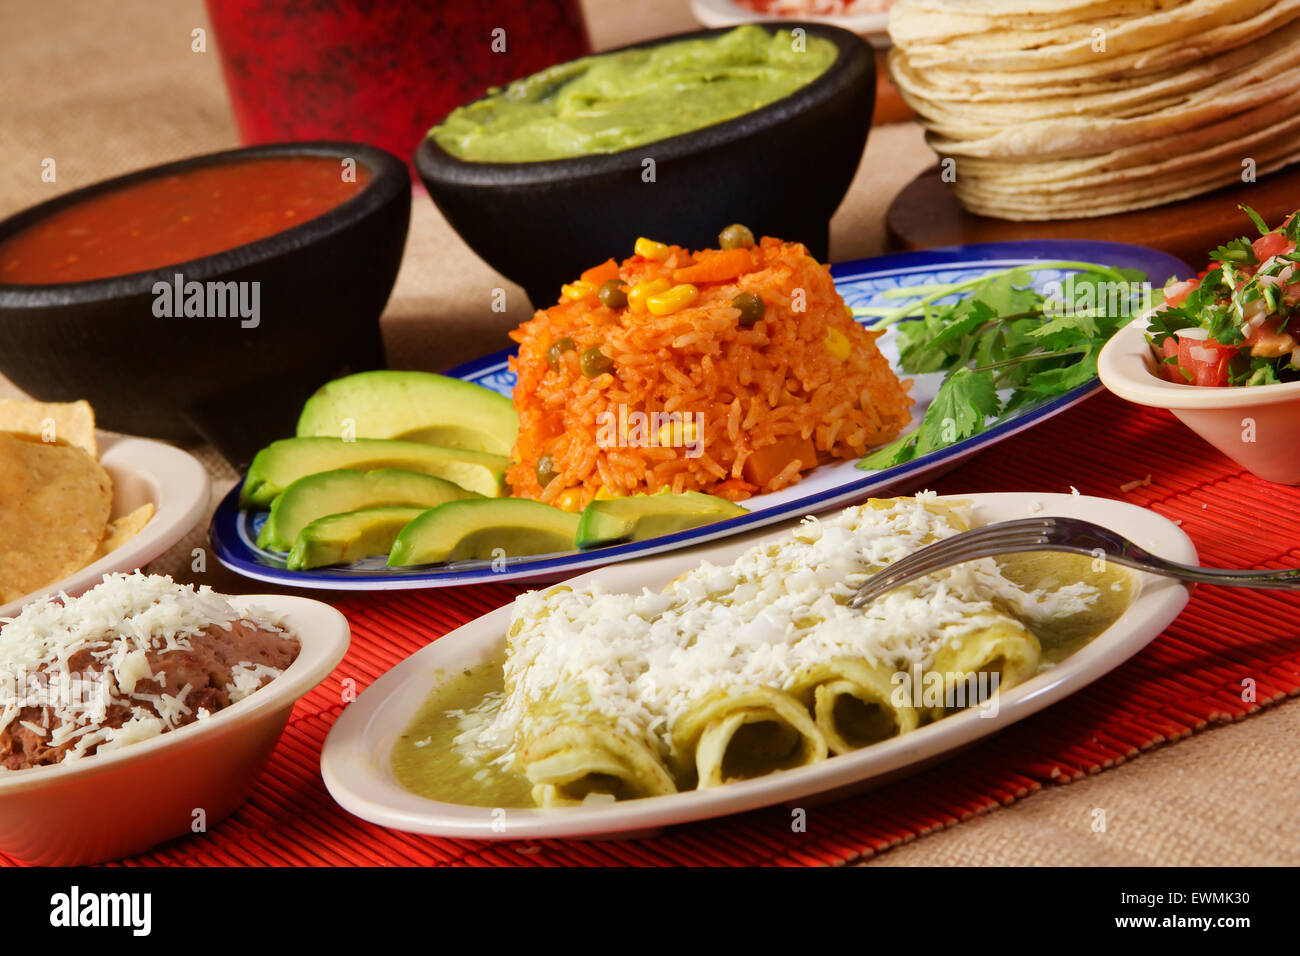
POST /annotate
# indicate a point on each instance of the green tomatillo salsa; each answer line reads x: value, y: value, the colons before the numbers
x: 616, y: 101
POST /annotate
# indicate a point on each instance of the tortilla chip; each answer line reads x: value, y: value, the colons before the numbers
x: 54, y: 505
x: 71, y: 423
x: 123, y: 529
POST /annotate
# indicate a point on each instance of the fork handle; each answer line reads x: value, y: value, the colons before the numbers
x: 1285, y: 579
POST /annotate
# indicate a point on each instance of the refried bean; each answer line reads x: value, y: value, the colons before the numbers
x: 209, y: 668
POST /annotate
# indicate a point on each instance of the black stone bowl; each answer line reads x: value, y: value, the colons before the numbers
x: 781, y: 170
x: 322, y: 287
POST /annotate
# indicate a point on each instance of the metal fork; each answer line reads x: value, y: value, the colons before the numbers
x: 1055, y: 534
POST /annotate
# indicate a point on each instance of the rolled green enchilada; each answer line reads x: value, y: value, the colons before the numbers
x: 743, y: 733
x: 856, y: 702
x: 577, y: 733
x: 858, y: 699
x: 571, y: 760
x: 971, y: 669
x: 759, y: 666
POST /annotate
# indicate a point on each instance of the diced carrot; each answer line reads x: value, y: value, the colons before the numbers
x: 734, y: 489
x: 602, y: 273
x: 770, y: 460
x: 716, y: 266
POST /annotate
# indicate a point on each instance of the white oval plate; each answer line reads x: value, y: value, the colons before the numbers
x: 142, y: 471
x: 356, y: 760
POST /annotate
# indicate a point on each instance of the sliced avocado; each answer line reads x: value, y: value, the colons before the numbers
x: 283, y: 462
x: 412, y: 406
x: 348, y: 537
x: 483, y: 528
x: 639, y: 517
x: 342, y: 490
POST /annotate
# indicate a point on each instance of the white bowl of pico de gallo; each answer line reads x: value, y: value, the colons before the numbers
x: 1222, y: 352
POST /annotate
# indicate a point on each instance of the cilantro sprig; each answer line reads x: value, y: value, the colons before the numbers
x: 1000, y: 334
x: 1238, y: 251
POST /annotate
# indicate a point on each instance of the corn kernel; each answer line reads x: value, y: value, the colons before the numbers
x: 637, y: 295
x: 604, y: 493
x: 577, y: 290
x: 837, y: 343
x: 677, y: 434
x: 649, y: 249
x: 678, y: 297
x: 569, y: 500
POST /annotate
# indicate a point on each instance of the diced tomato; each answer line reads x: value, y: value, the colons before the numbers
x: 1205, y: 360
x: 1169, y: 370
x: 1273, y: 244
x: 1176, y: 293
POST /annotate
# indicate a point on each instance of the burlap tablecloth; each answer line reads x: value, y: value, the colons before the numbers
x: 106, y: 88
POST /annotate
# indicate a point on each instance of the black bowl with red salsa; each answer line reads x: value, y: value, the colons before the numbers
x: 208, y: 297
x: 1238, y: 323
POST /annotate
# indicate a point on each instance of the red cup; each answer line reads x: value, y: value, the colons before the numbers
x: 379, y: 71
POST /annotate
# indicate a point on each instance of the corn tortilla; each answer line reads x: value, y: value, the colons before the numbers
x: 963, y: 72
x: 54, y: 507
x: 1038, y: 211
x: 1044, y: 124
x: 1150, y: 38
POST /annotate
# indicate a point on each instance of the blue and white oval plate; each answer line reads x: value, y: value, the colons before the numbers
x: 863, y: 283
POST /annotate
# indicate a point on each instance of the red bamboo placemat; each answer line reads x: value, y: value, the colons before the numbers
x: 1189, y: 678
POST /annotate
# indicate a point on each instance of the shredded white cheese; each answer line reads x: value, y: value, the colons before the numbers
x: 1135, y: 484
x: 641, y: 661
x: 247, y: 677
x: 110, y: 630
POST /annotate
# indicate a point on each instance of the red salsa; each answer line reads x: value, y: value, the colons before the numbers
x: 177, y: 218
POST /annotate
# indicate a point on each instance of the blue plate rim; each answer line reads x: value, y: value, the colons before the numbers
x: 230, y: 550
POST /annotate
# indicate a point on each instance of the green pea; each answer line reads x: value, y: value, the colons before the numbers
x: 555, y: 354
x: 545, y: 470
x: 594, y: 362
x: 611, y: 294
x: 751, y: 308
x: 736, y: 236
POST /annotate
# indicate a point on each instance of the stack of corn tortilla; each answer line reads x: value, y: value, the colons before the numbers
x: 1065, y: 109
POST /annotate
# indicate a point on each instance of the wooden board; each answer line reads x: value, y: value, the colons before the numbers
x: 926, y: 214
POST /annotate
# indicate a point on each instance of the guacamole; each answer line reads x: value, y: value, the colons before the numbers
x: 615, y: 101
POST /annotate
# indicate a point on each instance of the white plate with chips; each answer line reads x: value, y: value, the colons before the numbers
x: 144, y: 473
